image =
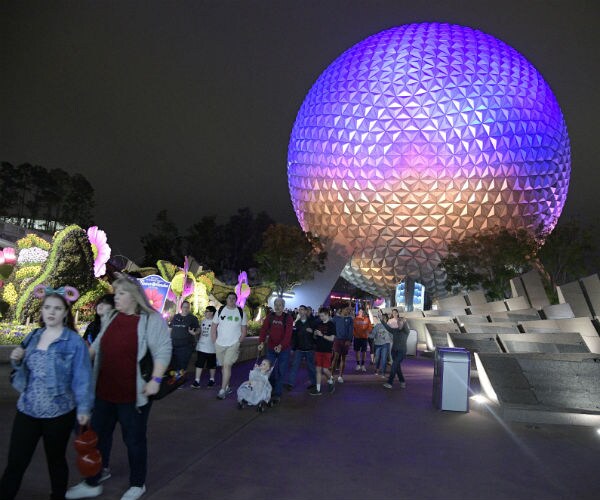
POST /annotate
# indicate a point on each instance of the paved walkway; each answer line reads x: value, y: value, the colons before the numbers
x: 362, y: 442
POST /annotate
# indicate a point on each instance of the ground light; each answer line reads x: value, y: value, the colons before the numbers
x: 480, y: 398
x: 484, y: 381
x: 598, y: 431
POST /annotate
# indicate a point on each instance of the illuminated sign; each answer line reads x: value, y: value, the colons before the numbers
x: 156, y: 290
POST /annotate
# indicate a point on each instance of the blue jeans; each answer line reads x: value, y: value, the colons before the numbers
x: 134, y: 422
x: 180, y: 358
x: 279, y: 371
x: 309, y: 356
x: 381, y: 357
x: 397, y: 357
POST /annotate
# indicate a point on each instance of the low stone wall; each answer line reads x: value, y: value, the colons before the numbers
x: 248, y: 350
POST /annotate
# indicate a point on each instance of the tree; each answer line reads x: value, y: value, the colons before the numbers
x: 489, y: 259
x: 244, y: 238
x: 204, y: 241
x: 163, y: 243
x: 567, y: 252
x: 227, y: 248
x: 31, y: 195
x: 55, y: 191
x: 289, y: 256
x: 78, y: 203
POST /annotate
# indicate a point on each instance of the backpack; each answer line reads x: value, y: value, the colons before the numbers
x: 241, y: 311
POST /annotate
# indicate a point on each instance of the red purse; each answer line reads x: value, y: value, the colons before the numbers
x: 89, y: 460
x: 86, y: 440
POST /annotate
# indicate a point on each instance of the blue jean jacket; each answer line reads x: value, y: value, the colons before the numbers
x: 69, y: 368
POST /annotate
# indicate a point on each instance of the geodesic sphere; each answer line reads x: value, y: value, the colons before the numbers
x: 420, y: 135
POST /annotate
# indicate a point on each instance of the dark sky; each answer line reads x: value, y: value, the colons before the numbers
x: 189, y: 105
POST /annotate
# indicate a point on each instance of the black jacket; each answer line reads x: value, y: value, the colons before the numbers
x: 301, y: 339
x: 399, y: 335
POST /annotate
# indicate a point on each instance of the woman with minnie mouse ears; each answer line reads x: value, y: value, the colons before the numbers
x: 53, y: 373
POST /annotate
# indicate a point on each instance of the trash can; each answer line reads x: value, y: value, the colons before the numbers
x: 451, y: 376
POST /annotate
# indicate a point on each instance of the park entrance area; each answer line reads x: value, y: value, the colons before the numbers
x: 361, y: 442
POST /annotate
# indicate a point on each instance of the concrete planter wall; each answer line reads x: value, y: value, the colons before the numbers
x: 248, y: 349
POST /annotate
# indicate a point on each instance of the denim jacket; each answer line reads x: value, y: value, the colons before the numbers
x: 69, y: 369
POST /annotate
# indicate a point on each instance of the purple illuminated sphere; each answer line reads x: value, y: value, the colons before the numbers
x: 420, y: 135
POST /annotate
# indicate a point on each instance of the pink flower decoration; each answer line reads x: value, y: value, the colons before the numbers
x: 39, y: 292
x: 71, y: 294
x: 242, y: 289
x: 100, y: 249
x: 154, y: 297
x: 8, y: 256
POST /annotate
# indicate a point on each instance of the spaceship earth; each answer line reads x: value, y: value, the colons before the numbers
x: 420, y: 135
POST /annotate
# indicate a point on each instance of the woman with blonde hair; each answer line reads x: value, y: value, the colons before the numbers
x: 122, y: 395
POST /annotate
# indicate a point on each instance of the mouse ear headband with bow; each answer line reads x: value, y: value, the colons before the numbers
x: 69, y: 293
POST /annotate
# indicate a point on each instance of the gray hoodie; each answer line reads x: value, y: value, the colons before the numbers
x: 153, y: 334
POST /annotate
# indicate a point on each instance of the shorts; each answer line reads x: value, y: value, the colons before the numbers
x: 227, y: 355
x: 206, y: 360
x: 340, y: 347
x: 360, y: 345
x: 323, y: 359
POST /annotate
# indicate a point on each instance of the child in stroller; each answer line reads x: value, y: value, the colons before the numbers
x: 257, y: 390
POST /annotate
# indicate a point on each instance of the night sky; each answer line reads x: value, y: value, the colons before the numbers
x: 189, y: 106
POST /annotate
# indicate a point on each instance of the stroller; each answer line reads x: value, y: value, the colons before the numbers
x: 257, y: 390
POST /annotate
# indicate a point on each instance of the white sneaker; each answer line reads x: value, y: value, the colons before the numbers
x: 134, y: 493
x: 105, y: 475
x: 403, y: 385
x: 363, y: 368
x: 340, y: 380
x: 357, y: 368
x: 83, y: 490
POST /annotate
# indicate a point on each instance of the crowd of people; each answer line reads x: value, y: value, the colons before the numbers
x: 66, y: 381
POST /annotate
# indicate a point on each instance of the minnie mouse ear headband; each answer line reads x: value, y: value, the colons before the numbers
x: 69, y: 293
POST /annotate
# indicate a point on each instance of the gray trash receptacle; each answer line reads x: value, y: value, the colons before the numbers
x: 451, y: 376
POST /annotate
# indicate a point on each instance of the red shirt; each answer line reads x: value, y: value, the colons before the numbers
x: 278, y: 332
x: 118, y: 369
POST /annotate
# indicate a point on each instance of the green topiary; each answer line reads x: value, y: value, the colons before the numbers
x: 29, y: 271
x: 70, y: 262
x: 9, y: 294
x: 85, y: 303
x: 167, y: 269
x: 147, y: 271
